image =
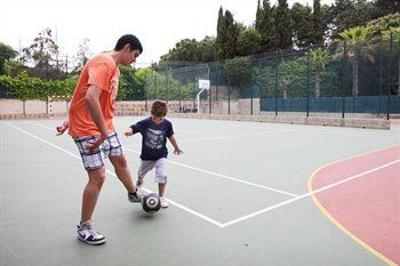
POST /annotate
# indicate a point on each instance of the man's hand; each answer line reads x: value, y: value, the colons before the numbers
x: 61, y: 129
x: 92, y: 145
x: 128, y: 132
x: 178, y: 151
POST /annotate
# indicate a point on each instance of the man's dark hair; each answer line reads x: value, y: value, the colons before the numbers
x: 129, y: 39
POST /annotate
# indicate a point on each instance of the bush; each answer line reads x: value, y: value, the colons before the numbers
x: 25, y: 87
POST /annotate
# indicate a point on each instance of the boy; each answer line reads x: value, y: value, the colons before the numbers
x: 154, y: 130
x: 90, y: 123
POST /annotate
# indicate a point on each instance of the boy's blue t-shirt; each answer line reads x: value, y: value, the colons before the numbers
x: 154, y: 138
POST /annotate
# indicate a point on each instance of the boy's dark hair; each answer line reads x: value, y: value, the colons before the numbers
x: 159, y: 109
x: 129, y: 39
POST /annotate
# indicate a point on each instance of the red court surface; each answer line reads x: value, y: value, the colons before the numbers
x: 366, y: 206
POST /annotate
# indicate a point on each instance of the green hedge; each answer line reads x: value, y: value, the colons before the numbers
x: 25, y: 87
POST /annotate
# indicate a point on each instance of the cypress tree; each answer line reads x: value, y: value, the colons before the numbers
x: 267, y: 28
x: 221, y: 36
x: 317, y: 23
x: 258, y: 16
x: 231, y: 35
x: 303, y: 33
x: 283, y: 23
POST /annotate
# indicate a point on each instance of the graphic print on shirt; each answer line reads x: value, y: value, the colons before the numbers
x: 154, y: 139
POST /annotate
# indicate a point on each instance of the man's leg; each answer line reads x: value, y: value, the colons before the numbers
x: 91, y: 193
x: 123, y: 173
x: 86, y: 231
x: 93, y: 162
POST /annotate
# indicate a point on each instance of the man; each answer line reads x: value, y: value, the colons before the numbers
x: 90, y: 123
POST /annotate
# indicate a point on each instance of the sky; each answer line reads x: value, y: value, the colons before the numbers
x: 159, y: 24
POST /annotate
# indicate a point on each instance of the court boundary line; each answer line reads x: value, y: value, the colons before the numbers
x: 265, y: 132
x: 334, y: 221
x: 207, y: 171
x: 327, y: 187
x: 286, y: 202
x: 225, y: 176
x: 193, y: 212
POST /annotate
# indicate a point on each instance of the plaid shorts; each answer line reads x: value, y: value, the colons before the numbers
x: 96, y: 159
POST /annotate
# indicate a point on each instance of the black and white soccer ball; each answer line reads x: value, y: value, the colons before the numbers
x: 151, y: 203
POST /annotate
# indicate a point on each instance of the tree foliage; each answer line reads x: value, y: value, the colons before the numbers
x: 303, y: 28
x: 284, y: 25
x: 6, y: 53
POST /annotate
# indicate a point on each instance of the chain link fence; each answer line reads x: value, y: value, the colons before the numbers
x: 345, y: 78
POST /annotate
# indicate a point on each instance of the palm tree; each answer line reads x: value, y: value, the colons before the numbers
x: 318, y: 60
x: 357, y: 44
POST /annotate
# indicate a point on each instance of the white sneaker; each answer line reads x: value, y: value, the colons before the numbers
x: 87, y: 234
x: 164, y: 202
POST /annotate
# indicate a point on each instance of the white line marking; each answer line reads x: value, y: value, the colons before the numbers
x: 42, y: 126
x: 349, y: 134
x: 197, y: 214
x: 208, y: 172
x: 286, y: 202
x: 238, y: 135
x: 224, y: 176
x: 283, y: 203
x: 199, y: 133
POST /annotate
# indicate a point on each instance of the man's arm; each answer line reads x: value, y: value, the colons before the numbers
x: 94, y: 108
x: 64, y: 126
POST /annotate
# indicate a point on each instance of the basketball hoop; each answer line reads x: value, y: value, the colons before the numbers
x: 204, y: 84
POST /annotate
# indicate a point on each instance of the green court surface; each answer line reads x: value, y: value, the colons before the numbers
x: 238, y: 196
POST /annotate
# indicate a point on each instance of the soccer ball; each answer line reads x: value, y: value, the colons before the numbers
x: 151, y: 203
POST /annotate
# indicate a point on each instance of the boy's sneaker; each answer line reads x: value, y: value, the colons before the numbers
x: 87, y: 234
x: 164, y: 202
x: 136, y: 197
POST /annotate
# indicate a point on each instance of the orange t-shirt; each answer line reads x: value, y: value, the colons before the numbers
x: 102, y: 72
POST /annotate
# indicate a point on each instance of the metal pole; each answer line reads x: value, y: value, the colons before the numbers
x: 155, y: 85
x: 390, y: 78
x: 229, y: 97
x: 166, y: 83
x: 251, y: 100
x: 276, y: 83
x: 145, y: 94
x: 209, y: 89
x: 308, y: 85
x: 343, y: 80
x: 66, y: 65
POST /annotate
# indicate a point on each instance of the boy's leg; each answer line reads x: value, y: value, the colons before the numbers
x: 139, y: 181
x: 161, y: 179
x: 144, y: 168
x: 161, y: 189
